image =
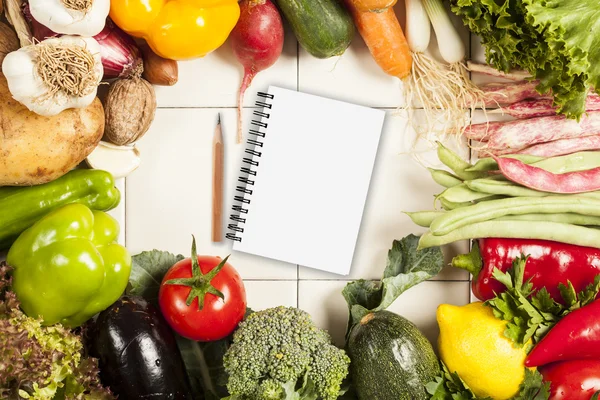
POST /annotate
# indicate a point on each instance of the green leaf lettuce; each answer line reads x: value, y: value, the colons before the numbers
x: 557, y: 41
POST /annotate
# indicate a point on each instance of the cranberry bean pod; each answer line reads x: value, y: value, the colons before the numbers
x: 545, y: 181
x: 562, y: 146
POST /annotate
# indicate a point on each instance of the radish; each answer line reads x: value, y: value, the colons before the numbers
x: 257, y: 42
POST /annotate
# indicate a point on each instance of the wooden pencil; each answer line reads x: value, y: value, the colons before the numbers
x: 217, y: 204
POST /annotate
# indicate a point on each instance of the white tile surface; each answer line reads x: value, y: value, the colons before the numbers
x: 169, y: 197
x: 266, y: 294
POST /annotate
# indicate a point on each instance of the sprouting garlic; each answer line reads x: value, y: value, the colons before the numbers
x: 72, y: 17
x: 55, y: 74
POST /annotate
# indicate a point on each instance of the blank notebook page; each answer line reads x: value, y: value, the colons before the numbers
x: 312, y: 180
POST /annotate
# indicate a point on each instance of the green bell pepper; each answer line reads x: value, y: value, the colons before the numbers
x: 68, y: 266
x: 21, y: 207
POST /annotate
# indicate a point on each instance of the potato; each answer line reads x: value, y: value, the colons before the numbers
x: 36, y: 149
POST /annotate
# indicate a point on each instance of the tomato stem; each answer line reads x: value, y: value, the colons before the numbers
x: 199, y: 283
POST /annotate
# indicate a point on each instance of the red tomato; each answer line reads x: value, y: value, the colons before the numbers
x: 218, y: 317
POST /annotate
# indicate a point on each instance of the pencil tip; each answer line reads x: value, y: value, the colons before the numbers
x: 219, y: 119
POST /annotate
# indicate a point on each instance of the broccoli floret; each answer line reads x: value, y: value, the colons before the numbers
x: 279, y: 348
x: 270, y: 389
x: 328, y: 369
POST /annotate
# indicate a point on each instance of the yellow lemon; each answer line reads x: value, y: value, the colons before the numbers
x: 472, y: 344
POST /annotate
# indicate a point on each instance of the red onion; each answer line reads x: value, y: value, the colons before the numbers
x: 121, y: 57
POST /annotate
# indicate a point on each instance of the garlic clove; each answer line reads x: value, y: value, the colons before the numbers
x: 120, y: 161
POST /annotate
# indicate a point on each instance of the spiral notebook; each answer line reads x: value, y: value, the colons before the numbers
x: 304, y: 179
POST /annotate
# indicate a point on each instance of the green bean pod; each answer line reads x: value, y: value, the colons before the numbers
x: 488, y: 163
x: 544, y: 230
x: 461, y: 194
x: 506, y: 188
x: 456, y: 163
x: 450, y: 205
x: 488, y: 210
x: 575, y: 162
x: 424, y: 218
x: 565, y: 218
x: 581, y: 161
x: 444, y: 178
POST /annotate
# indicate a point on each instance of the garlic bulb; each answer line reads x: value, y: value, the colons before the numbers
x: 55, y: 74
x: 71, y: 17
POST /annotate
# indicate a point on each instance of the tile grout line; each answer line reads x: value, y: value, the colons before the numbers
x: 297, y: 65
x: 298, y: 89
x: 470, y: 155
x: 339, y: 280
x: 297, y: 285
x: 253, y: 108
x: 125, y: 212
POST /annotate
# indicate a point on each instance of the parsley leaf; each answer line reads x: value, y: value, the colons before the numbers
x: 449, y: 386
x: 531, y: 315
x: 533, y: 387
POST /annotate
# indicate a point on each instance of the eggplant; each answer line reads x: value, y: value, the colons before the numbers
x: 137, y: 352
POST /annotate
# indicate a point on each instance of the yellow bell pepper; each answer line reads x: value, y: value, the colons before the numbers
x: 177, y: 29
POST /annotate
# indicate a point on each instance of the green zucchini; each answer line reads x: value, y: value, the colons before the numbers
x: 390, y: 358
x: 323, y: 27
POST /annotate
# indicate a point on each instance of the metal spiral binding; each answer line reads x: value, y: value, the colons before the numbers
x: 247, y: 179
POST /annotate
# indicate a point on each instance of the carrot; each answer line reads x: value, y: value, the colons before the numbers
x: 383, y: 36
x: 373, y: 5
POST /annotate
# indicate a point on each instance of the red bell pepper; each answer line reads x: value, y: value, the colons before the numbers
x: 576, y: 336
x: 549, y: 264
x: 572, y: 380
